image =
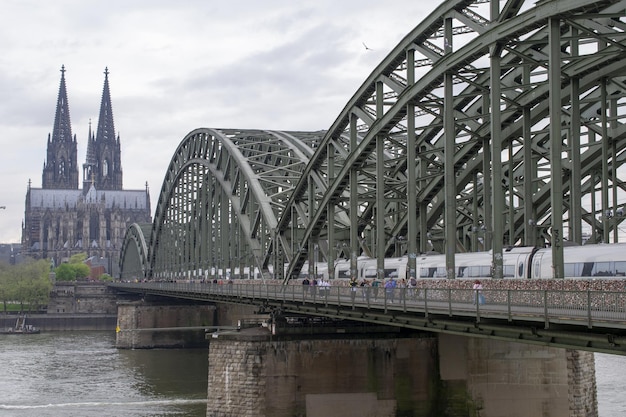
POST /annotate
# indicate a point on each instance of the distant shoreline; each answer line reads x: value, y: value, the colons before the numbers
x: 63, y: 322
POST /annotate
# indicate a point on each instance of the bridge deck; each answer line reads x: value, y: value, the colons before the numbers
x: 588, y: 320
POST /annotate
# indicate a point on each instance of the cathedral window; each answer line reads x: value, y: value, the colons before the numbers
x: 105, y: 168
x: 61, y: 167
x: 94, y: 227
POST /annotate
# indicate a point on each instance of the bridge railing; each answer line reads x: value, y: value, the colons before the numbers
x: 586, y: 307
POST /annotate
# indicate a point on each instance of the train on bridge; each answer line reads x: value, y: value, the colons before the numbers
x: 580, y: 262
x: 587, y: 261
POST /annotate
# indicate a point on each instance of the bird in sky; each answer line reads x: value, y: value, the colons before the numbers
x: 366, y: 47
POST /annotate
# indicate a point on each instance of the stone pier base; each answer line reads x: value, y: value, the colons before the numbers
x: 251, y: 374
x: 143, y: 326
x: 508, y: 379
x: 254, y: 374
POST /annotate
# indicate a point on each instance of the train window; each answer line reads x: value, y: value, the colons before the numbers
x: 427, y: 272
x: 520, y: 270
x: 473, y: 271
x: 537, y: 268
x: 480, y: 271
x: 343, y: 273
x: 370, y: 273
x: 571, y: 270
x: 508, y: 271
x: 620, y: 269
x: 588, y: 269
x: 461, y: 271
x: 391, y: 273
x: 431, y: 272
x: 602, y: 269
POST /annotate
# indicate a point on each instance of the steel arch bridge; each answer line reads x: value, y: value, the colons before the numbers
x: 492, y: 123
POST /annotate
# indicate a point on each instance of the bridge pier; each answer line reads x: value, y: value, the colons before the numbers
x: 142, y: 325
x: 254, y: 373
x: 513, y: 379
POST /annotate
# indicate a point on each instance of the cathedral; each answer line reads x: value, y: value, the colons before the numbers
x: 62, y: 219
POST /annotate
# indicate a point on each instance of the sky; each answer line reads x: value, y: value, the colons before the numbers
x: 175, y: 66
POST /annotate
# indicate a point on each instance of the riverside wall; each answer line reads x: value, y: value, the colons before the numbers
x: 82, y: 298
x: 73, y: 306
x: 63, y: 322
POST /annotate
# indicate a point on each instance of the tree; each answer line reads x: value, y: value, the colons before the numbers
x: 74, y: 269
x: 78, y: 258
x: 5, y: 284
x: 82, y: 270
x: 34, y: 284
x: 27, y: 283
x: 65, y: 272
x: 106, y: 278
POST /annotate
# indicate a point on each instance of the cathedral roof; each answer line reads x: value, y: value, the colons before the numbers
x: 60, y: 199
x: 62, y: 130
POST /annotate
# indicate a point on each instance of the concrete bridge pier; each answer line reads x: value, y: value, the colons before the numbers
x: 253, y: 373
x: 508, y: 379
x: 142, y: 325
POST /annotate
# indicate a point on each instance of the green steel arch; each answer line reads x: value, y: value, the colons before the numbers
x: 221, y: 199
x: 468, y: 174
x: 134, y: 259
x: 492, y: 123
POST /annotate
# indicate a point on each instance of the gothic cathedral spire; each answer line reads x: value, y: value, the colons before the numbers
x: 107, y: 172
x: 60, y: 169
x: 91, y: 164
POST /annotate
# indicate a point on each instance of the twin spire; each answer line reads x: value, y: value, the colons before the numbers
x: 102, y: 167
x: 106, y: 128
x: 62, y: 131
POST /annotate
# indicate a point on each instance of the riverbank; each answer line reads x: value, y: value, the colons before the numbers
x: 63, y: 322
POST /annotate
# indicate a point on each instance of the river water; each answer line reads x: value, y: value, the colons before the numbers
x: 82, y: 374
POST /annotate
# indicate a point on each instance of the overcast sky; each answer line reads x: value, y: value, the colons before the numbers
x: 175, y: 66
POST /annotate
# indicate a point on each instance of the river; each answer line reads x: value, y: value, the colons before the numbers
x: 82, y: 374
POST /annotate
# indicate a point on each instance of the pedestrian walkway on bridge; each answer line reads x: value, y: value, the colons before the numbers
x: 587, y: 319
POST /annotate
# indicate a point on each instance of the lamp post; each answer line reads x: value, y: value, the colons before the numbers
x: 316, y: 249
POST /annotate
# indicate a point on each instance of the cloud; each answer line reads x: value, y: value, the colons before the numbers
x: 177, y: 66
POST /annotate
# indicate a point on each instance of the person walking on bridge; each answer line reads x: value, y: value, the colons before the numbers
x: 353, y: 287
x: 478, y: 286
x: 375, y: 286
x: 365, y: 287
x: 390, y: 289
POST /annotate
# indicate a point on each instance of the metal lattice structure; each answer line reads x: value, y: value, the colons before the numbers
x: 492, y: 123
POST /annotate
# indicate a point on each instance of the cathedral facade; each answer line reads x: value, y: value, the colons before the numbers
x: 62, y: 219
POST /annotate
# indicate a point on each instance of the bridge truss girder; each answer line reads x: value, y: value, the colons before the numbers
x: 134, y: 254
x: 433, y: 164
x: 420, y: 158
x: 222, y: 195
